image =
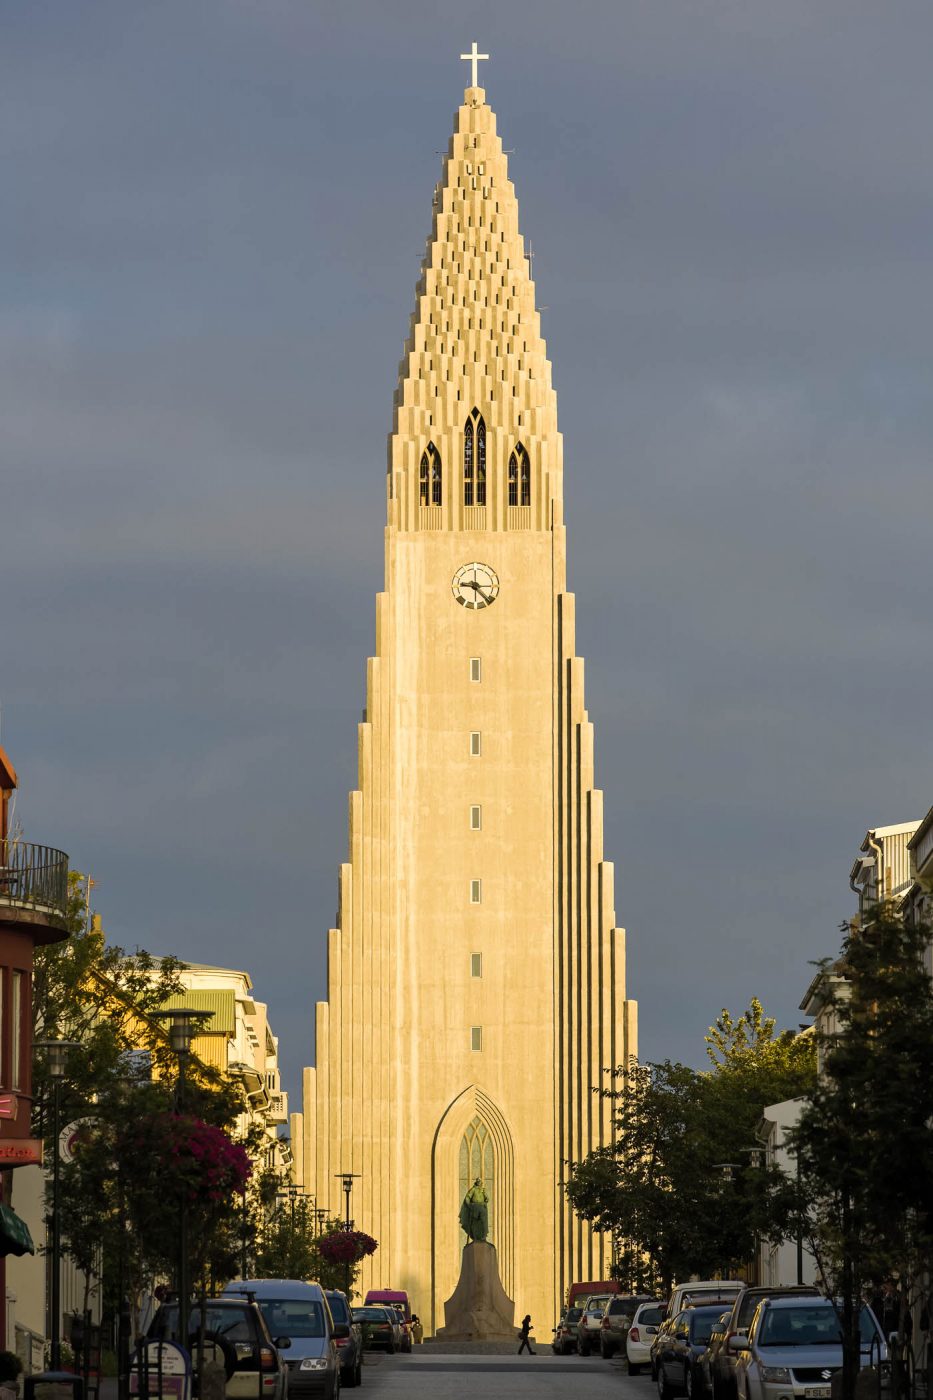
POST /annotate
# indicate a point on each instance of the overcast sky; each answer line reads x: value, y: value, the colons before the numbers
x: 214, y: 212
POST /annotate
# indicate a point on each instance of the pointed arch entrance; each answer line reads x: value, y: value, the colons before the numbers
x: 472, y: 1139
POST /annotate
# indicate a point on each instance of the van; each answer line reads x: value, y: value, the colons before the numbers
x: 579, y: 1292
x: 303, y: 1331
x: 703, y: 1290
x: 393, y: 1296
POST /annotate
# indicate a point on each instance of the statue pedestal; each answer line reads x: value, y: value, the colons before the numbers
x: 479, y: 1310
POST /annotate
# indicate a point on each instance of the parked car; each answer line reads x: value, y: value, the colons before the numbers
x: 404, y: 1327
x: 235, y: 1336
x: 701, y: 1290
x: 565, y: 1333
x: 395, y: 1297
x: 658, y: 1341
x: 379, y: 1327
x: 678, y: 1371
x: 648, y: 1318
x: 588, y: 1328
x: 302, y: 1328
x: 721, y: 1358
x: 717, y: 1341
x: 616, y: 1320
x: 794, y: 1348
x: 350, y: 1347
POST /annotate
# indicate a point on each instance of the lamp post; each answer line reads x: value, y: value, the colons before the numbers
x: 347, y: 1179
x: 183, y: 1025
x: 57, y: 1051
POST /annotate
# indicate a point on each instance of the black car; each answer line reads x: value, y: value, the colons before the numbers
x: 349, y: 1349
x: 720, y: 1363
x: 678, y: 1368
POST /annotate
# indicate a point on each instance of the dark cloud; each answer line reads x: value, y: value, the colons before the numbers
x: 215, y: 215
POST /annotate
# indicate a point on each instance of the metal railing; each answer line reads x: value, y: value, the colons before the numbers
x: 33, y: 877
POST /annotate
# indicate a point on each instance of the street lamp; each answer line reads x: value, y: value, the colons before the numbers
x: 347, y: 1179
x: 183, y: 1024
x: 57, y: 1052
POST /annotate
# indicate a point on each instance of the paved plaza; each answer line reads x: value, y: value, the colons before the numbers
x: 453, y: 1377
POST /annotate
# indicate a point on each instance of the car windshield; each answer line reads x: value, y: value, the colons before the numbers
x: 803, y: 1326
x: 371, y: 1315
x: 650, y: 1317
x: 596, y: 1305
x: 702, y: 1324
x: 622, y: 1305
x: 293, y: 1317
x: 235, y: 1324
x: 573, y: 1314
x: 338, y: 1308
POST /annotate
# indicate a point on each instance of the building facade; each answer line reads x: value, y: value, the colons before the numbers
x: 476, y: 975
x: 238, y: 1041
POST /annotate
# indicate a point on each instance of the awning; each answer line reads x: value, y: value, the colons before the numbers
x: 14, y: 1233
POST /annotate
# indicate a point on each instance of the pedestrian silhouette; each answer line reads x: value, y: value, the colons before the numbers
x: 523, y: 1335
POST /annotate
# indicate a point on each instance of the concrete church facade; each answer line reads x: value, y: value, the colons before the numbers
x: 476, y: 978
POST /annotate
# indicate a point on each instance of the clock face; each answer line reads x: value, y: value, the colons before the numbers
x: 475, y: 586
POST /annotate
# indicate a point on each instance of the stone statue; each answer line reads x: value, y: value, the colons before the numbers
x: 474, y: 1213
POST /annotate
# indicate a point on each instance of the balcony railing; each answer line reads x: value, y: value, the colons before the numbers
x: 33, y: 877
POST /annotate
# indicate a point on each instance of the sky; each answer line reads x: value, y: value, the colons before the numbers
x: 214, y: 214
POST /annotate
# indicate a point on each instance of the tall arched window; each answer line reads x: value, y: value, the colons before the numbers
x: 519, y: 477
x: 477, y: 1159
x: 474, y: 460
x: 430, y: 483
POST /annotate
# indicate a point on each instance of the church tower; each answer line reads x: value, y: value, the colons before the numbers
x: 476, y: 978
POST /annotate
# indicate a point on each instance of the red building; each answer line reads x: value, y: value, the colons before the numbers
x: 33, y: 901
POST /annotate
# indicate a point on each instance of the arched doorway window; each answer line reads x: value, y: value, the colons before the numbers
x: 519, y: 477
x: 474, y: 460
x: 430, y: 483
x: 477, y: 1159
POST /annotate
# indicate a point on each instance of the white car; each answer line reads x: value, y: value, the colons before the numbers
x: 644, y: 1328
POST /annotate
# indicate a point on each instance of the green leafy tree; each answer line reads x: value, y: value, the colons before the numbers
x: 865, y: 1138
x: 289, y: 1246
x: 679, y: 1188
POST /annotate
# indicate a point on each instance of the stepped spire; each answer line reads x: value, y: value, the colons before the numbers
x: 475, y: 335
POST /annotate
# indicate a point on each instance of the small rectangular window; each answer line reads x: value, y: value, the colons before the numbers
x: 476, y: 1037
x: 476, y: 669
x: 476, y: 891
x: 476, y: 744
x: 16, y: 1031
x: 476, y: 818
x: 476, y: 964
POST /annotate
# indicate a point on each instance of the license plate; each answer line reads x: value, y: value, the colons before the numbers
x: 817, y: 1392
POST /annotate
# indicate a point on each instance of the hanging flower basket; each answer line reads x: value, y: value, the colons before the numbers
x: 192, y: 1160
x: 346, y: 1246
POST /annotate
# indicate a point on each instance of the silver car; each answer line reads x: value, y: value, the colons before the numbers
x: 794, y: 1347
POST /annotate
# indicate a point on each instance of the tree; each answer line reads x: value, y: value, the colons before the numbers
x: 678, y: 1188
x: 291, y: 1246
x: 865, y: 1138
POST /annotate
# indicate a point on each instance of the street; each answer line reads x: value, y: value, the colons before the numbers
x: 545, y: 1376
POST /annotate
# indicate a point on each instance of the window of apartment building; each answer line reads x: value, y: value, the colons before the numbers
x: 476, y: 744
x: 476, y: 669
x: 476, y: 1037
x: 476, y: 964
x: 476, y: 818
x: 476, y: 891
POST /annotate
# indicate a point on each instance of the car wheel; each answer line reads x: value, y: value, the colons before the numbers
x: 633, y: 1369
x: 391, y: 1348
x: 604, y: 1351
x: 690, y: 1388
x: 665, y: 1392
x: 583, y: 1348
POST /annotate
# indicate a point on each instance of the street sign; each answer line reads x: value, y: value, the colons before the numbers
x: 161, y: 1371
x: 71, y: 1138
x: 20, y: 1152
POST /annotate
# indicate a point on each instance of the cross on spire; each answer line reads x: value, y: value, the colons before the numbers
x: 474, y: 57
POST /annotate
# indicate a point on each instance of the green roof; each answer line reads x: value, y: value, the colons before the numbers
x: 222, y: 1003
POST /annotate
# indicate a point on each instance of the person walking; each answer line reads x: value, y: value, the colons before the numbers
x: 417, y: 1331
x: 523, y: 1336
